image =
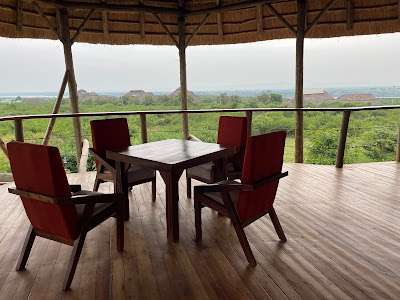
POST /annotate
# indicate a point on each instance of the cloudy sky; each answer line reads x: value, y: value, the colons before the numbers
x: 38, y: 65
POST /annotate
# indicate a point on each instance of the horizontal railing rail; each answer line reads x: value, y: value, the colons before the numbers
x: 19, y: 134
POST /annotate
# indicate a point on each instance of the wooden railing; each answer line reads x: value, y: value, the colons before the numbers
x: 19, y: 133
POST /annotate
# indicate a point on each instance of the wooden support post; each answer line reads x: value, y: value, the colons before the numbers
x: 19, y: 130
x: 3, y: 147
x: 182, y: 61
x: 19, y: 15
x: 249, y: 116
x: 73, y: 93
x: 143, y: 128
x: 342, y: 139
x: 56, y: 108
x: 301, y: 4
x: 84, y: 157
x: 260, y: 21
x: 350, y: 14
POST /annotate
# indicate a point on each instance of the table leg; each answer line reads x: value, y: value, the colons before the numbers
x: 171, y: 180
x: 220, y: 169
x: 121, y: 185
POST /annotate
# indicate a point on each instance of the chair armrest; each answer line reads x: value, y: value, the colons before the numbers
x: 75, y: 188
x: 230, y: 186
x: 102, y: 160
x: 75, y: 199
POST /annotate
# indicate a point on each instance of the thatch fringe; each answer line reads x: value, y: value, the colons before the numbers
x: 239, y: 26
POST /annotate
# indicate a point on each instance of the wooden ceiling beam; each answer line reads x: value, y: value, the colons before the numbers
x: 282, y: 19
x: 41, y: 13
x: 104, y: 19
x: 319, y: 16
x: 82, y: 26
x: 19, y: 15
x: 260, y: 18
x: 350, y: 14
x: 196, y: 30
x: 166, y: 30
x: 142, y: 23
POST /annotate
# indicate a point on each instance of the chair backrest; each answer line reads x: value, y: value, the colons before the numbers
x: 39, y: 169
x: 109, y: 134
x: 232, y: 131
x: 264, y: 158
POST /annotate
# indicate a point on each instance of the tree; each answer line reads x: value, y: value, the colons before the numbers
x: 18, y: 98
x: 275, y: 98
x: 223, y: 99
x: 149, y: 100
x: 380, y: 144
x: 263, y: 98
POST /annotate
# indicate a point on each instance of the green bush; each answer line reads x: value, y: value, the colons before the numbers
x: 380, y: 144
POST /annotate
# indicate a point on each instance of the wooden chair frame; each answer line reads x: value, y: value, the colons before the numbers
x: 107, y: 177
x: 228, y: 209
x: 88, y: 222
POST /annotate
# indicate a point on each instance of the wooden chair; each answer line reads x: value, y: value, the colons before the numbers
x: 232, y: 131
x: 251, y: 199
x: 58, y: 211
x: 111, y: 134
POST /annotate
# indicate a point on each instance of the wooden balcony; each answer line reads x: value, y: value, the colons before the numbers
x: 343, y: 242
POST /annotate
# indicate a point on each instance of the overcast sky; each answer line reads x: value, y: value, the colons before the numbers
x: 38, y: 65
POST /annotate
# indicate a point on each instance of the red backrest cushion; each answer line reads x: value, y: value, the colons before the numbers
x: 264, y: 157
x: 109, y: 134
x: 39, y: 169
x: 232, y: 131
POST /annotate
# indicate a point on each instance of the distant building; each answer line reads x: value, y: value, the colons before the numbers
x: 84, y: 95
x: 189, y: 94
x: 35, y: 100
x: 314, y: 96
x: 365, y: 98
x: 140, y: 95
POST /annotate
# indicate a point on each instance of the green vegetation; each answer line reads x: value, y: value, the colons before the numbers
x: 372, y: 134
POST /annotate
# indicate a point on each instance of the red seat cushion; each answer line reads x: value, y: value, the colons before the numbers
x: 232, y: 131
x: 264, y: 158
x: 39, y: 169
x: 109, y: 134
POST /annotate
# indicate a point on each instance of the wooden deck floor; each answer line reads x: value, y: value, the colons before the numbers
x: 343, y: 243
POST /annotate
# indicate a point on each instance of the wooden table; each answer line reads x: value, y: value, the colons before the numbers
x: 170, y: 157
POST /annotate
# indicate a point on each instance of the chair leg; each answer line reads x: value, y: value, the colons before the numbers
x: 197, y: 215
x: 26, y: 249
x: 277, y: 224
x: 188, y: 187
x: 73, y: 262
x: 244, y: 243
x: 153, y: 189
x: 96, y: 184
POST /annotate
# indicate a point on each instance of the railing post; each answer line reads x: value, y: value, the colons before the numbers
x: 398, y: 146
x: 143, y: 128
x: 249, y: 116
x: 342, y: 138
x: 19, y: 130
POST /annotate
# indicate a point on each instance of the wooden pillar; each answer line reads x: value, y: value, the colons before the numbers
x: 249, y: 116
x: 301, y: 10
x: 342, y: 139
x: 19, y: 130
x: 182, y: 61
x: 143, y: 128
x: 73, y: 93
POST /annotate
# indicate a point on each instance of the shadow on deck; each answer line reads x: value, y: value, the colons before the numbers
x: 343, y: 242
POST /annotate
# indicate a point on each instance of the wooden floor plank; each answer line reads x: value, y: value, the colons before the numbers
x: 341, y: 224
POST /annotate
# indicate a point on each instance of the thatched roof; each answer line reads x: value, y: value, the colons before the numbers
x: 84, y: 95
x: 312, y: 96
x: 367, y: 98
x: 133, y: 22
x: 140, y: 95
x: 190, y: 94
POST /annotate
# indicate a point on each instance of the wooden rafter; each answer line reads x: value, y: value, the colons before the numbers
x: 398, y: 9
x: 220, y: 26
x: 19, y: 15
x: 58, y: 22
x: 282, y: 19
x: 104, y: 18
x: 319, y: 16
x: 260, y: 18
x: 166, y: 30
x: 197, y: 30
x: 350, y: 14
x: 41, y: 13
x: 82, y: 26
x: 142, y: 22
